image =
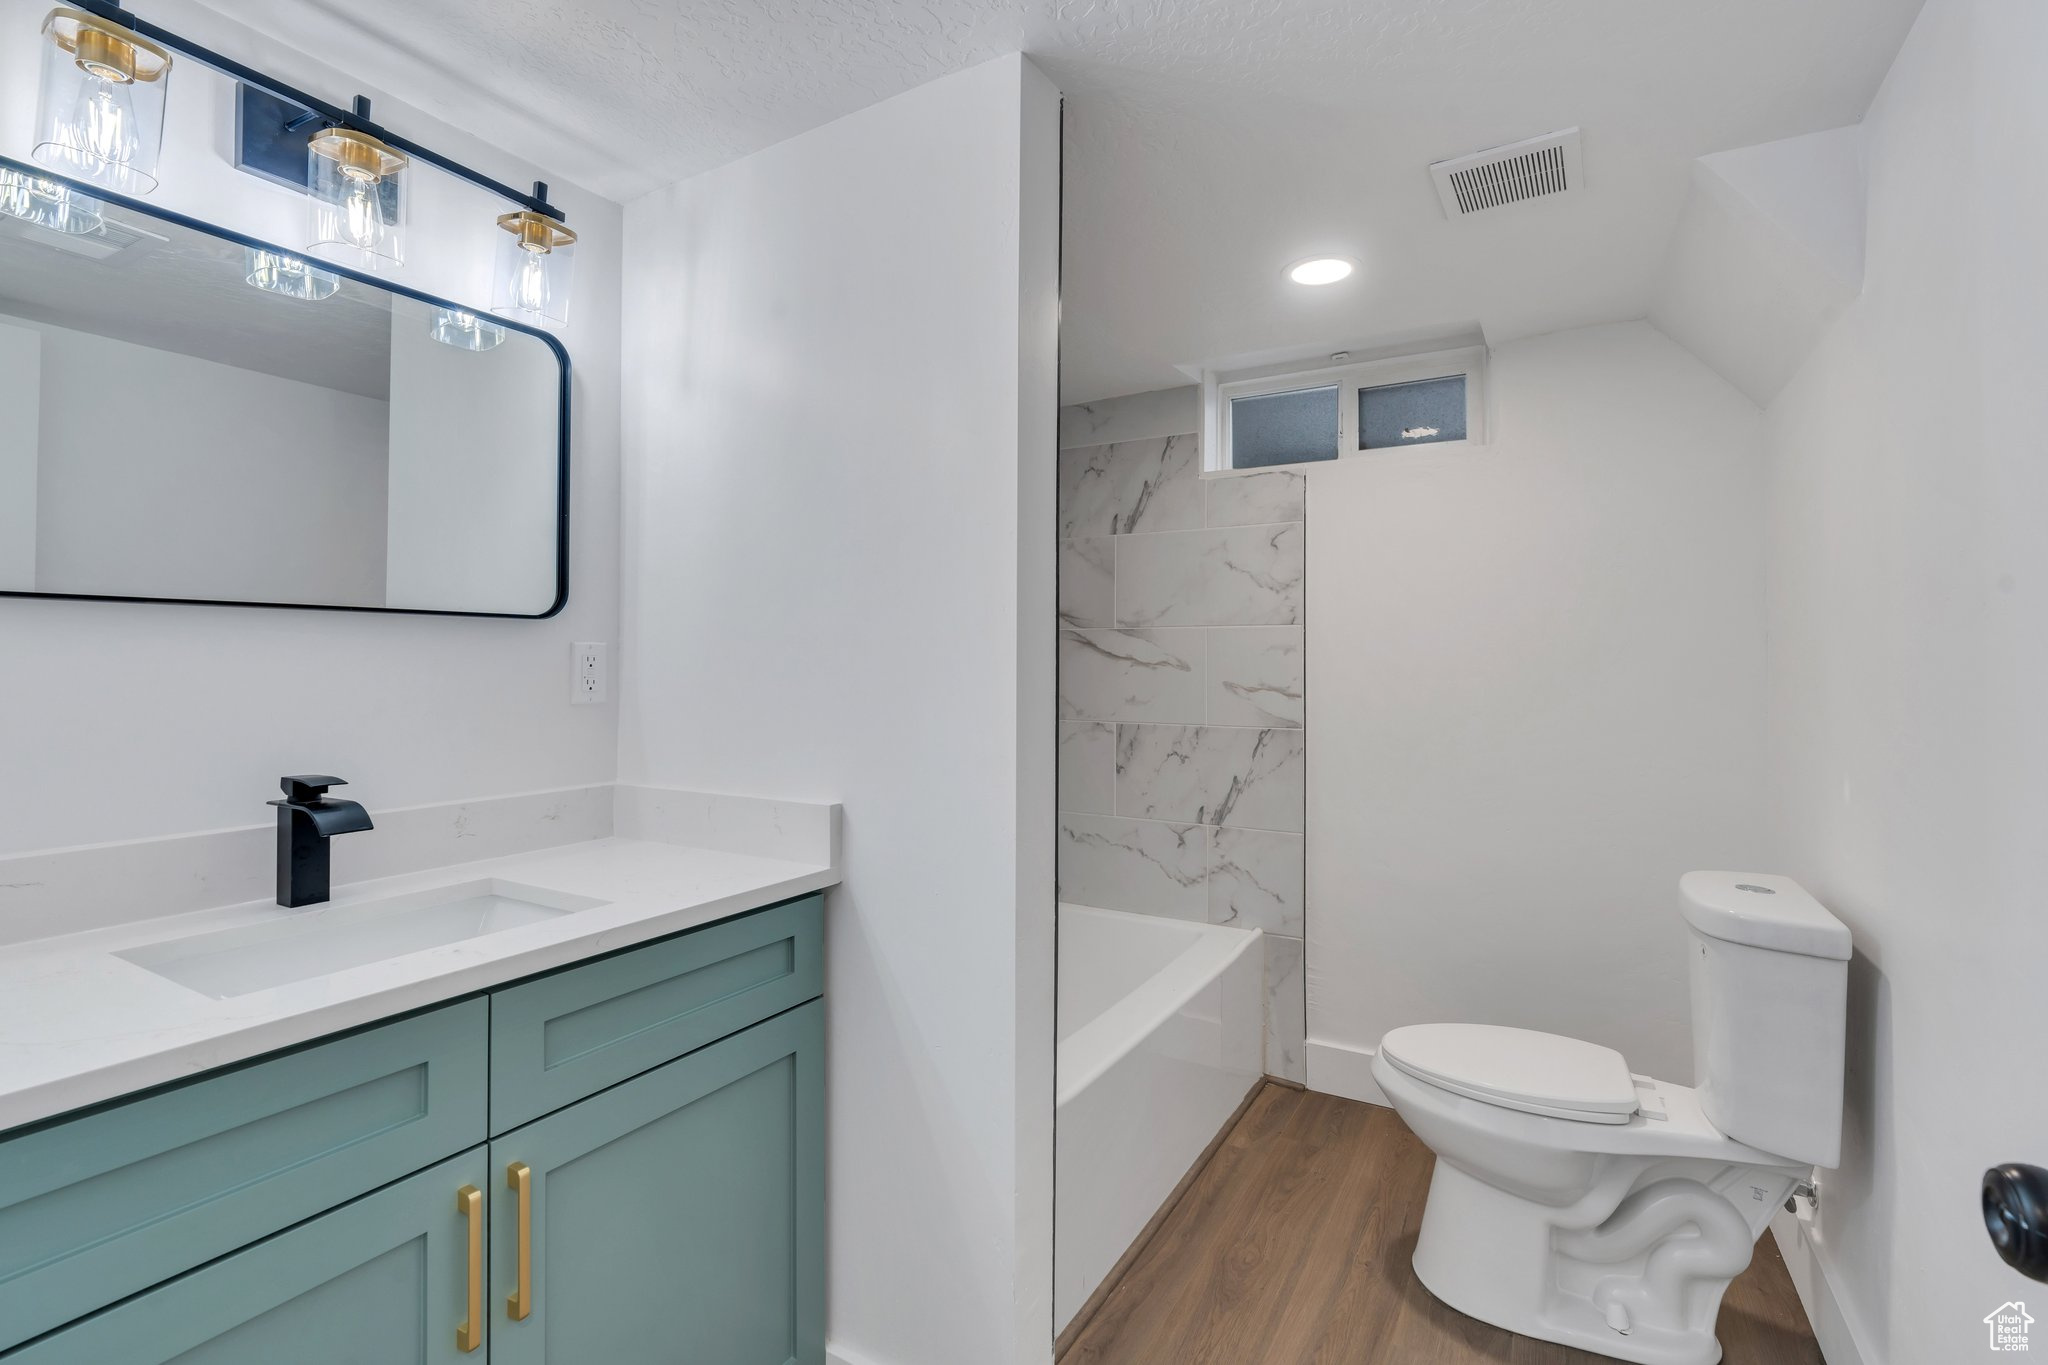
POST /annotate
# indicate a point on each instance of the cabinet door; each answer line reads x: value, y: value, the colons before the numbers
x: 385, y: 1279
x: 676, y: 1219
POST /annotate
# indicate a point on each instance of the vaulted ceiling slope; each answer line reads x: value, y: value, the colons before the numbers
x: 1209, y: 142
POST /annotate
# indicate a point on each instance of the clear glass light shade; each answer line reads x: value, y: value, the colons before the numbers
x: 464, y: 331
x: 101, y: 114
x: 534, y: 270
x: 356, y: 200
x: 276, y: 273
x: 48, y: 203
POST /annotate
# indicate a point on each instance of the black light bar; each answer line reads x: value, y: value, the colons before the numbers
x: 299, y: 112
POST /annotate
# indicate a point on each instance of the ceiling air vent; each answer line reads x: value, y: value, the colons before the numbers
x: 1506, y: 175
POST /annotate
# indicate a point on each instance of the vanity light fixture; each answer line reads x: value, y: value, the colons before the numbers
x: 465, y: 331
x: 1321, y: 270
x: 48, y: 203
x: 105, y: 71
x: 356, y: 199
x: 101, y: 113
x: 533, y: 276
x: 276, y: 273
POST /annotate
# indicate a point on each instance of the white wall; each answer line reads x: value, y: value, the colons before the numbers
x: 21, y: 361
x: 1767, y: 253
x: 1909, y: 626
x: 142, y: 491
x: 473, y: 473
x: 211, y: 704
x: 1536, y: 683
x: 840, y: 473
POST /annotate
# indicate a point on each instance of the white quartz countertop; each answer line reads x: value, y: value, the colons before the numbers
x: 79, y: 1025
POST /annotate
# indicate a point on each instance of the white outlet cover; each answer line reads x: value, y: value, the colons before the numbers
x: 589, y: 673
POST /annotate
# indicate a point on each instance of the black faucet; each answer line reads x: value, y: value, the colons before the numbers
x: 306, y: 819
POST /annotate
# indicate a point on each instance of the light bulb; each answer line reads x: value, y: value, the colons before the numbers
x: 530, y: 285
x: 362, y: 212
x: 103, y: 128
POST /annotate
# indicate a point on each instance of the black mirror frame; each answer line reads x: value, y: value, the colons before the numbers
x: 385, y: 286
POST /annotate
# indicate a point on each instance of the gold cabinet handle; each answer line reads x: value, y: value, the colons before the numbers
x: 519, y: 1177
x: 469, y: 1202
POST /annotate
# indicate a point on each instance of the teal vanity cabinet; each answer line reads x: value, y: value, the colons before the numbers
x: 678, y: 1217
x: 622, y: 1161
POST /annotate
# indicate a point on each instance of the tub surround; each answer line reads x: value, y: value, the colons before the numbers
x: 83, y: 1026
x: 1183, y: 752
x: 1161, y: 1028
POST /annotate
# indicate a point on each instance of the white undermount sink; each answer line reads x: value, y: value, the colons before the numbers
x: 299, y: 945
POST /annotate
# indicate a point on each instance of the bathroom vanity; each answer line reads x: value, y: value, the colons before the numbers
x: 620, y: 1157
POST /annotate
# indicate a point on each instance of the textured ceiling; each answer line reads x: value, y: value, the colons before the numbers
x: 1209, y: 142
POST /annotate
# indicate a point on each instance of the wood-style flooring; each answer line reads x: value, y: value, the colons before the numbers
x: 1292, y: 1246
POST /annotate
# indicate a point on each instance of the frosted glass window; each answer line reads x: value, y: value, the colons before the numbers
x: 1413, y: 414
x: 1284, y: 428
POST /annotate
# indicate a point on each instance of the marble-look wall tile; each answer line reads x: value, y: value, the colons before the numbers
x: 1162, y: 412
x: 1255, y: 676
x: 1251, y: 499
x: 1182, y: 748
x: 1211, y: 775
x: 1131, y: 486
x: 1135, y: 675
x: 1255, y: 880
x: 1234, y: 576
x: 1088, y: 582
x: 1144, y: 866
x: 1087, y: 759
x: 1286, y: 1010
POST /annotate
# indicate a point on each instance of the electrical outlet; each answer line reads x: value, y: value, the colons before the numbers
x: 589, y: 674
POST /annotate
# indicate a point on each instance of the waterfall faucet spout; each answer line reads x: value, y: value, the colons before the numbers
x: 306, y: 819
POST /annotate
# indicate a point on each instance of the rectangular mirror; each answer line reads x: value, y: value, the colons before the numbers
x: 187, y: 415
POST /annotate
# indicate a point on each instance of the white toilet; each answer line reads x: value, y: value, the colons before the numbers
x: 1575, y: 1202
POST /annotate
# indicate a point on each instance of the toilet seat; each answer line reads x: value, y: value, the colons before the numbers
x: 1521, y: 1069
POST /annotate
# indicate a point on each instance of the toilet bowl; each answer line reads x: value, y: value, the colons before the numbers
x: 1579, y: 1203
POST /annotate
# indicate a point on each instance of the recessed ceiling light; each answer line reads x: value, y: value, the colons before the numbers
x: 1321, y: 270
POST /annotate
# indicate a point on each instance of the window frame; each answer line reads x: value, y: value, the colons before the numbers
x: 1468, y: 362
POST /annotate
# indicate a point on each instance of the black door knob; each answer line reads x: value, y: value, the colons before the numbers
x: 2016, y: 1216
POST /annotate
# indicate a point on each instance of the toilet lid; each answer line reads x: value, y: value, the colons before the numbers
x: 1517, y: 1068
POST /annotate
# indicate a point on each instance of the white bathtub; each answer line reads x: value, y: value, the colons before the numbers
x: 1161, y: 1036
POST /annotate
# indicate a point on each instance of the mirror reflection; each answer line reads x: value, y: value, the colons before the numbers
x: 190, y: 417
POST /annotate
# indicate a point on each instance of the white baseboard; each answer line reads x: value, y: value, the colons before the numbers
x: 1337, y: 1069
x: 839, y: 1355
x: 1807, y: 1261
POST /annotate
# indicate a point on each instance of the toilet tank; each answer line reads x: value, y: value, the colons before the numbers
x: 1770, y: 981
